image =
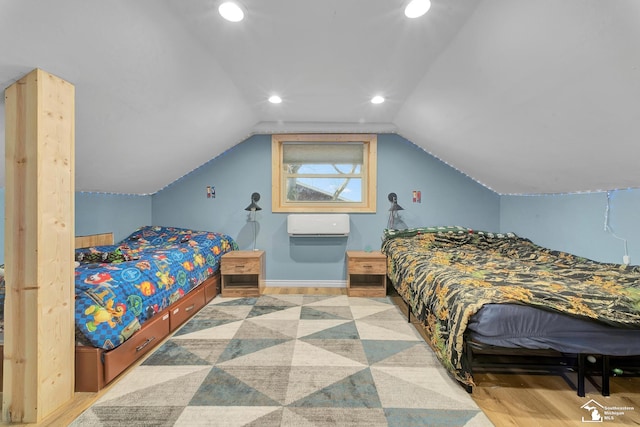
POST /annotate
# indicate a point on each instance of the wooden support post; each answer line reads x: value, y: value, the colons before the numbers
x: 39, y: 241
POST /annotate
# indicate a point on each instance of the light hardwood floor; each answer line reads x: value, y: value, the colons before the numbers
x: 507, y: 399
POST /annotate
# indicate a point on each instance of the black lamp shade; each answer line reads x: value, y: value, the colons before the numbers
x: 393, y: 198
x: 254, y: 206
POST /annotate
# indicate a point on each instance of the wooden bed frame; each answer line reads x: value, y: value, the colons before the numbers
x: 97, y: 367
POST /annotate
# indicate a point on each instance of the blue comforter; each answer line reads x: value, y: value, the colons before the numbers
x: 140, y: 276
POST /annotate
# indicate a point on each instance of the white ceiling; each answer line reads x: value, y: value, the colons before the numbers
x: 523, y: 96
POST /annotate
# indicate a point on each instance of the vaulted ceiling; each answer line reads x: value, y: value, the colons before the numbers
x: 523, y: 96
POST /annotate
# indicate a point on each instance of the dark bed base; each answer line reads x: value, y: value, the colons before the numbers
x: 487, y: 358
x: 96, y: 367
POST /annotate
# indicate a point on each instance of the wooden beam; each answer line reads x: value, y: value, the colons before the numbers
x: 39, y: 243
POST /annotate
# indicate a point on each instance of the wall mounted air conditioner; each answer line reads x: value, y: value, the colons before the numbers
x: 318, y: 225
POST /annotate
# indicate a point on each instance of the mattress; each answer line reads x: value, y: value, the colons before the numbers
x: 521, y: 326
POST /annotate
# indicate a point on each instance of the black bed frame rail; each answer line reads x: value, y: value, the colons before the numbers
x: 582, y: 358
x: 486, y: 358
x: 481, y: 357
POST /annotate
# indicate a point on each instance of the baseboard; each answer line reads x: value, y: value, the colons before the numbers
x: 305, y: 283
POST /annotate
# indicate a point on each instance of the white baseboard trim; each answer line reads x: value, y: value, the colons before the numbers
x: 305, y: 283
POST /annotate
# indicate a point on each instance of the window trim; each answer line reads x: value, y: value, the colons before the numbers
x: 369, y: 168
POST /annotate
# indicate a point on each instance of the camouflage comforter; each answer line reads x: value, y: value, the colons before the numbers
x: 447, y: 274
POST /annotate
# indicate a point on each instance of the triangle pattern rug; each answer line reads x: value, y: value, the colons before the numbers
x: 290, y: 360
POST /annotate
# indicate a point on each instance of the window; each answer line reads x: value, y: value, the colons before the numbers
x: 324, y: 172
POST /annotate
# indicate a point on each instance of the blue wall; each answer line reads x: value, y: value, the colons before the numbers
x: 568, y: 222
x: 102, y: 213
x: 448, y: 198
x: 576, y: 222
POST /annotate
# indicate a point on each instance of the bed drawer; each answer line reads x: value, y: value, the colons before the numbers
x: 367, y: 266
x: 184, y: 308
x: 120, y: 358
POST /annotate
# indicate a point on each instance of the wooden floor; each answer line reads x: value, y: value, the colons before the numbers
x: 507, y: 399
x: 537, y: 400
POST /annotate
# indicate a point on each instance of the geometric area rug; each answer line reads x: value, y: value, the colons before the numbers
x: 290, y: 360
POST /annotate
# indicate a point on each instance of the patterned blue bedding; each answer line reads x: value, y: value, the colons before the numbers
x: 114, y: 299
x: 138, y: 277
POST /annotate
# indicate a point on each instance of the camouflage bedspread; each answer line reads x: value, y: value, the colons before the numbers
x: 447, y: 274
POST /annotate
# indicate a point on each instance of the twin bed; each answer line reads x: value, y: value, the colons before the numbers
x: 481, y: 293
x: 131, y: 295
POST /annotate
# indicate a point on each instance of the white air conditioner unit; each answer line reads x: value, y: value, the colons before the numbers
x: 318, y: 225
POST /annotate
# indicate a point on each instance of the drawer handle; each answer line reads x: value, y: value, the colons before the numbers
x: 144, y: 344
x: 367, y: 266
x: 239, y: 266
x: 188, y: 309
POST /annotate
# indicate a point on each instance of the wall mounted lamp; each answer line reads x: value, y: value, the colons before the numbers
x: 393, y: 210
x: 255, y: 197
x: 252, y: 208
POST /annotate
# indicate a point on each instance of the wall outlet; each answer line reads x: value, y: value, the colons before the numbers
x: 625, y: 259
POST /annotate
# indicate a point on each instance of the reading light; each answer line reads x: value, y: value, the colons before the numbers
x: 255, y: 197
x: 231, y: 11
x: 275, y: 99
x: 377, y: 99
x: 252, y: 208
x: 417, y: 8
x: 393, y: 210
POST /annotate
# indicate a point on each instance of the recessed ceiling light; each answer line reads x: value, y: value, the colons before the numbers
x: 231, y: 11
x: 377, y: 99
x: 417, y: 8
x: 275, y: 99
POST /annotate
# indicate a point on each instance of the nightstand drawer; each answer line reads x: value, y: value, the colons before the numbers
x: 241, y: 266
x: 367, y: 266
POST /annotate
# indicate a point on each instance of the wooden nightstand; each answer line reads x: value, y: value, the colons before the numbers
x: 242, y: 273
x: 366, y: 274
